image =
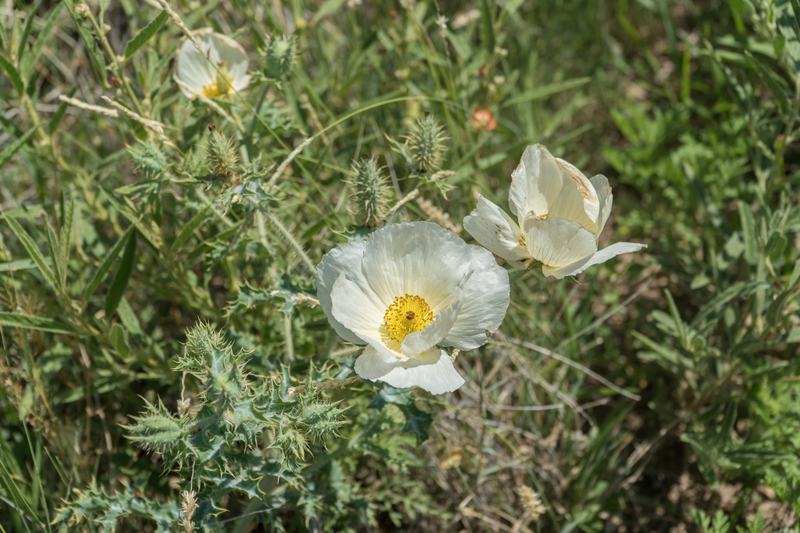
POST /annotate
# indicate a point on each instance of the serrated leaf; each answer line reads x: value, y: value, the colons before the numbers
x: 34, y: 322
x: 12, y: 74
x: 14, y: 147
x: 120, y: 282
x: 101, y: 271
x: 33, y: 251
x: 147, y: 32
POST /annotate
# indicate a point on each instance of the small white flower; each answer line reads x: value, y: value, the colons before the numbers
x: 404, y: 292
x: 441, y: 21
x: 560, y: 215
x: 219, y: 70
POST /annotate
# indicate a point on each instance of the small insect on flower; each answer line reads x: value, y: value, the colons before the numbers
x: 218, y: 69
x: 560, y: 215
x: 483, y: 119
x: 406, y: 292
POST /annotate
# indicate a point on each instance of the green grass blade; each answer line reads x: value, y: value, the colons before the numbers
x: 120, y: 282
x: 147, y: 32
x: 33, y: 250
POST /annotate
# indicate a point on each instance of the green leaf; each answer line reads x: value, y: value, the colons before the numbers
x: 65, y: 231
x: 324, y: 10
x: 488, y: 26
x: 749, y: 234
x: 23, y: 38
x: 95, y: 56
x: 106, y: 264
x: 33, y: 322
x: 120, y: 282
x: 147, y: 32
x: 774, y: 82
x: 38, y: 46
x: 128, y: 317
x: 12, y: 74
x: 740, y: 290
x: 14, y: 147
x: 795, y: 277
x: 33, y: 251
x: 546, y: 90
x: 119, y: 340
x: 188, y: 230
x: 794, y: 335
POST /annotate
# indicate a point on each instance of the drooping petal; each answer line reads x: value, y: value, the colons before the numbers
x: 235, y: 59
x: 193, y: 69
x: 605, y: 198
x: 486, y: 297
x: 558, y: 242
x: 545, y: 185
x: 434, y: 372
x: 418, y: 258
x: 435, y: 332
x: 599, y: 257
x: 497, y: 232
x: 347, y: 259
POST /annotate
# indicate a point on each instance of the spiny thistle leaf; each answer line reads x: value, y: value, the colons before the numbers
x: 426, y: 144
x: 148, y: 159
x: 370, y: 192
x: 156, y: 430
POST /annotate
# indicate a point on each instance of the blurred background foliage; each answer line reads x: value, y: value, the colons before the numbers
x: 159, y: 352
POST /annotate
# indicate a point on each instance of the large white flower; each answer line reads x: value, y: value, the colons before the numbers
x: 404, y: 292
x: 560, y: 214
x: 220, y: 69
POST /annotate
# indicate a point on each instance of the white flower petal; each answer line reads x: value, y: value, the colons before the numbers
x: 558, y: 242
x: 418, y: 258
x: 599, y: 257
x: 347, y: 259
x: 353, y: 308
x: 235, y: 59
x: 193, y: 69
x: 497, y: 232
x: 435, y: 332
x: 486, y: 297
x: 605, y: 198
x: 545, y: 185
x: 434, y: 373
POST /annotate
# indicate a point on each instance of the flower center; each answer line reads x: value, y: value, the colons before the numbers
x: 222, y: 84
x: 407, y: 314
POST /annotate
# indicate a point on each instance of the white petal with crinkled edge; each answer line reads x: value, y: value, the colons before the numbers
x: 545, y: 185
x: 599, y: 257
x: 345, y: 258
x: 558, y: 242
x: 434, y: 372
x: 416, y: 258
x: 193, y: 69
x: 605, y: 199
x: 419, y: 341
x: 486, y: 297
x: 496, y: 231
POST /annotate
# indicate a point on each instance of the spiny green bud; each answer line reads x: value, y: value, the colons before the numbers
x: 370, y: 192
x: 278, y: 56
x: 221, y: 154
x: 148, y: 159
x: 426, y: 144
x: 156, y: 430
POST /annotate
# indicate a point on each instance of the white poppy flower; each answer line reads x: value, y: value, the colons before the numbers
x: 560, y: 214
x: 405, y: 292
x: 219, y: 70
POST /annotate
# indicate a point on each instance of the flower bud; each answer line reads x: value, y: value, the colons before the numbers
x: 426, y: 144
x: 279, y: 56
x: 370, y: 192
x: 221, y: 155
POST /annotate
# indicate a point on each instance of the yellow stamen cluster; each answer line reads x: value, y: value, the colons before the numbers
x: 222, y: 85
x: 407, y: 314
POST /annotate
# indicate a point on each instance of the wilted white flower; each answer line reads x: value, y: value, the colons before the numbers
x: 218, y: 70
x: 560, y: 215
x: 405, y: 292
